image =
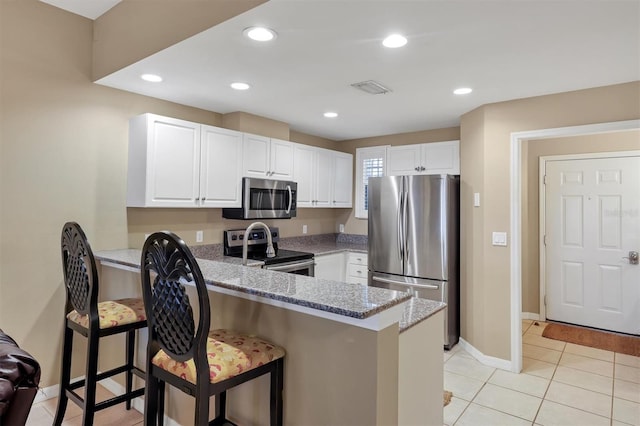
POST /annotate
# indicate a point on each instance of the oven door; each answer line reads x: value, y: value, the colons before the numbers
x: 299, y: 267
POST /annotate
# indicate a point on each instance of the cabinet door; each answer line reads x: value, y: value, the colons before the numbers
x: 403, y: 160
x: 173, y: 162
x: 323, y: 179
x: 255, y: 162
x: 304, y: 173
x: 342, y: 179
x: 281, y: 161
x: 441, y: 158
x: 330, y: 266
x: 221, y: 168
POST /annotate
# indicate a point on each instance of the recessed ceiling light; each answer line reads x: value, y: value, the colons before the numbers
x: 394, y: 40
x: 463, y: 91
x: 259, y: 33
x: 331, y: 114
x: 240, y: 86
x: 151, y: 77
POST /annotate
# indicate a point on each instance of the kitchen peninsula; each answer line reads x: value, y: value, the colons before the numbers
x: 355, y: 355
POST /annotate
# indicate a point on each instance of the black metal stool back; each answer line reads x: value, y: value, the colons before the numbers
x: 169, y: 312
x: 80, y: 273
x: 82, y: 315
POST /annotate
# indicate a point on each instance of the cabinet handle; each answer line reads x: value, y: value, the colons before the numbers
x: 204, y: 199
x: 417, y: 169
x: 334, y: 201
x: 422, y: 168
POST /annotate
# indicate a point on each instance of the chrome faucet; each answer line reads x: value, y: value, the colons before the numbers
x: 270, y: 251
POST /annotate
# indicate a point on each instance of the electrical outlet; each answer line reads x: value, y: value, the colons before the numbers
x: 304, y: 229
x: 341, y: 227
x: 199, y: 236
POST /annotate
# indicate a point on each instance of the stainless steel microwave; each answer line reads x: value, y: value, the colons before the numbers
x: 265, y: 199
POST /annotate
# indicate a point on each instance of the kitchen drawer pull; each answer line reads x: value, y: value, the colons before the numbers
x: 389, y: 281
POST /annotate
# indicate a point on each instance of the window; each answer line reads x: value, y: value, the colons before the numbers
x: 370, y: 162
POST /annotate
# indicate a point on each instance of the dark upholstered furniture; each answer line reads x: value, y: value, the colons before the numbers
x: 200, y: 362
x: 93, y: 320
x: 19, y: 379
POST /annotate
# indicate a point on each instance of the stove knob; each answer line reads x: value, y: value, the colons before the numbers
x: 274, y: 234
x: 234, y: 237
x: 241, y: 237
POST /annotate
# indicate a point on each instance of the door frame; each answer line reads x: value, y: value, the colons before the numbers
x: 516, y: 172
x: 542, y: 207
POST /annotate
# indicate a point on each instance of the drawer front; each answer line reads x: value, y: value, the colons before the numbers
x: 357, y: 271
x: 358, y: 258
x: 357, y: 280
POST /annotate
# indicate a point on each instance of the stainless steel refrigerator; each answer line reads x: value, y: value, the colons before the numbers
x: 414, y: 240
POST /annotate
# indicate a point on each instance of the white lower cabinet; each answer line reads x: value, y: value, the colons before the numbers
x: 350, y: 267
x: 330, y: 266
x: 357, y: 268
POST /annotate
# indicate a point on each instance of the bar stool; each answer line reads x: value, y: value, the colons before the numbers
x: 93, y: 320
x: 197, y: 361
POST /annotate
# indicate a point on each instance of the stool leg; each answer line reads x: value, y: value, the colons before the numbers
x: 160, y: 403
x: 65, y: 375
x: 90, y: 379
x: 221, y: 406
x: 277, y: 388
x: 131, y: 341
x: 151, y: 394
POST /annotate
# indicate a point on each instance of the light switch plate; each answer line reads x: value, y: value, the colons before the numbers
x: 341, y: 227
x: 304, y: 229
x: 476, y: 199
x: 499, y: 238
x: 199, y: 236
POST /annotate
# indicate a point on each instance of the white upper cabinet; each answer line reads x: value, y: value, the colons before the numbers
x: 220, y: 171
x: 267, y: 158
x: 304, y: 174
x: 177, y: 163
x: 324, y: 177
x: 342, y: 179
x: 427, y: 158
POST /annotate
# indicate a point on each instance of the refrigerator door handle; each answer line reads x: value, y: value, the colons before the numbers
x: 405, y: 249
x: 400, y: 226
x: 390, y: 281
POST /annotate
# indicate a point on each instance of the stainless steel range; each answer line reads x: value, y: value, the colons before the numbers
x: 294, y: 262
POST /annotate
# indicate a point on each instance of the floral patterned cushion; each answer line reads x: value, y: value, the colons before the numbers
x: 229, y: 354
x: 113, y: 313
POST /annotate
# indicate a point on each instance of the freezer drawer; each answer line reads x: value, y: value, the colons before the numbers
x: 441, y: 291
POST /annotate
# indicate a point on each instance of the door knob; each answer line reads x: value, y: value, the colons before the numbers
x: 634, y: 257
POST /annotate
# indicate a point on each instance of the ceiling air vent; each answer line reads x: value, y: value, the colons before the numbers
x: 371, y: 87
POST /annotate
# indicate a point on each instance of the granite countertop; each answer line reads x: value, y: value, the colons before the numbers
x: 418, y: 310
x: 349, y: 300
x: 326, y: 243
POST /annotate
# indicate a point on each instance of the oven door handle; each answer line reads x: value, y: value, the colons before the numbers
x: 291, y: 265
x: 290, y: 198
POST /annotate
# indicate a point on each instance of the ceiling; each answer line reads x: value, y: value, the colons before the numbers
x: 503, y: 49
x: 88, y: 8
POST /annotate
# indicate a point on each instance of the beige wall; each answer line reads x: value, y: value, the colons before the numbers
x: 354, y: 225
x: 489, y: 330
x: 606, y: 142
x: 64, y: 157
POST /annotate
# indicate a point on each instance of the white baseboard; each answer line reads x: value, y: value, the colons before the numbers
x: 530, y: 316
x: 490, y: 361
x: 47, y: 393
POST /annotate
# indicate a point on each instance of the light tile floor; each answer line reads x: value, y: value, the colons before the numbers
x: 560, y: 384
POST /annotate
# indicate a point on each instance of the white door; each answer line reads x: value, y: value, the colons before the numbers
x: 403, y: 160
x: 342, y: 180
x: 281, y: 164
x: 592, y: 222
x: 304, y: 174
x: 255, y: 154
